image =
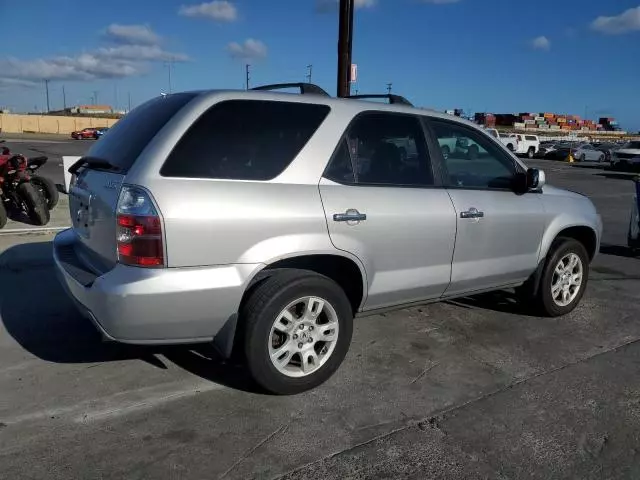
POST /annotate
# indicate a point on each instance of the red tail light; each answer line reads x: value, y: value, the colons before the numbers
x: 139, y: 229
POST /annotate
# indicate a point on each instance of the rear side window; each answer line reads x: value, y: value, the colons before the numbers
x: 124, y: 142
x: 531, y: 137
x: 244, y: 140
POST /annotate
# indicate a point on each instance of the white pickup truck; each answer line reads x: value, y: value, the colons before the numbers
x: 519, y: 144
x: 528, y: 145
x: 508, y: 139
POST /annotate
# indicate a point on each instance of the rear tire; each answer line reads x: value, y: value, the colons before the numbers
x: 47, y: 189
x: 565, y: 250
x: 3, y: 215
x: 35, y: 205
x: 277, y: 319
x: 531, y: 152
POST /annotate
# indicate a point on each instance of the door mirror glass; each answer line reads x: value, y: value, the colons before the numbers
x: 537, y: 179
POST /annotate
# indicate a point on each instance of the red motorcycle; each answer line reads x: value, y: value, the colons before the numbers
x: 17, y: 192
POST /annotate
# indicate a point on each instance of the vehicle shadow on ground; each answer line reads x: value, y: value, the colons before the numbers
x: 618, y: 176
x: 38, y: 315
x: 504, y: 301
x: 617, y: 250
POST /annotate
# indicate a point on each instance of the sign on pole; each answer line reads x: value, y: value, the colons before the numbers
x: 354, y: 73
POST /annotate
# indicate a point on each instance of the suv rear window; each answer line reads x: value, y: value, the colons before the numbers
x: 122, y: 144
x: 531, y: 137
x: 244, y: 140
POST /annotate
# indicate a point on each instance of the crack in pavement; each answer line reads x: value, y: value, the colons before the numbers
x: 432, y: 420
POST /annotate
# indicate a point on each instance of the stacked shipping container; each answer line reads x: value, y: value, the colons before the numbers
x: 546, y: 121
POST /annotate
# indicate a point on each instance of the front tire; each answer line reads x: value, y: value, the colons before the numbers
x: 34, y: 204
x: 564, y: 278
x: 297, y: 331
x: 47, y: 189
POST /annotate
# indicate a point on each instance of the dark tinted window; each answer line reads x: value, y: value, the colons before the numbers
x: 341, y: 168
x: 123, y: 142
x: 385, y: 149
x: 244, y: 140
x: 471, y: 158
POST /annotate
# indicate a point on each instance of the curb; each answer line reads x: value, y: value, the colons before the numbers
x: 35, y: 230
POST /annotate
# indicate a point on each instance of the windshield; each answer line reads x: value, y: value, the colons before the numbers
x: 632, y: 145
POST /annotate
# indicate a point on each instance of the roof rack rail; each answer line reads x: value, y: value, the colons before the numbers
x: 393, y: 99
x: 305, y: 88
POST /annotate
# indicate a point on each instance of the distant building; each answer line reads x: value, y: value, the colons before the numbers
x: 91, y: 109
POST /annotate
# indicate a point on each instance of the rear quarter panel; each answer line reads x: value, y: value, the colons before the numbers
x: 217, y: 222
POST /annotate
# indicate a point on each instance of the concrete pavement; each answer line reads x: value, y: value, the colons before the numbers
x: 475, y: 388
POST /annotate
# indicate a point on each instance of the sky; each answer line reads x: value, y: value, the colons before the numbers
x: 562, y: 56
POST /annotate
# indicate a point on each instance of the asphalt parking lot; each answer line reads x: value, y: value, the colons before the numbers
x: 475, y: 388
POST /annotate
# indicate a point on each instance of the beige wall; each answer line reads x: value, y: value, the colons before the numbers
x: 10, y: 123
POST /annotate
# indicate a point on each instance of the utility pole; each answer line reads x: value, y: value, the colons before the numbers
x: 95, y: 97
x: 247, y: 77
x: 309, y: 71
x: 129, y: 95
x: 115, y: 96
x: 345, y: 43
x: 389, y: 88
x: 169, y: 65
x: 64, y: 99
x: 46, y: 87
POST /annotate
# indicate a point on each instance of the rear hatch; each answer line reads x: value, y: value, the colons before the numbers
x: 100, y: 174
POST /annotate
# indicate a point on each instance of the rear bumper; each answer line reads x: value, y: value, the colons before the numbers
x: 152, y: 306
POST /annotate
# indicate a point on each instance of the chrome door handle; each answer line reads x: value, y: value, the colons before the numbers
x: 351, y: 215
x: 472, y: 213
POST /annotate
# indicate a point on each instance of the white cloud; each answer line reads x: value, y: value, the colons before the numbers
x: 219, y: 10
x: 330, y: 6
x: 85, y: 66
x: 541, y: 43
x: 140, y: 53
x: 627, y: 21
x: 117, y: 61
x: 249, y: 50
x: 132, y: 34
x: 16, y: 82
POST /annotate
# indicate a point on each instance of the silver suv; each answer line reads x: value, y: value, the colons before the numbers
x: 264, y: 222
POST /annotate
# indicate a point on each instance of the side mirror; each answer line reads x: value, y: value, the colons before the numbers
x: 535, y: 179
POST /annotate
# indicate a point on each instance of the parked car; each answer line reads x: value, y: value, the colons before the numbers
x: 587, y: 152
x: 509, y: 140
x: 194, y: 220
x: 607, y: 149
x: 99, y: 132
x: 84, y: 133
x: 527, y: 145
x: 627, y: 157
x: 546, y: 148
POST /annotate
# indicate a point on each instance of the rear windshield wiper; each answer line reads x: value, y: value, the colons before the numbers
x: 94, y: 162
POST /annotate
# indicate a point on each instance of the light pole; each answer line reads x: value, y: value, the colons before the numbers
x: 309, y: 71
x: 246, y: 75
x: 389, y: 88
x: 169, y: 65
x: 46, y: 87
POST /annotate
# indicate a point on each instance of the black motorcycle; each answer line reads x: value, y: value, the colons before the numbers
x: 18, y: 194
x: 45, y: 186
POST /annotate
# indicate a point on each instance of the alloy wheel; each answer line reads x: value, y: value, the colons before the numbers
x: 303, y: 336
